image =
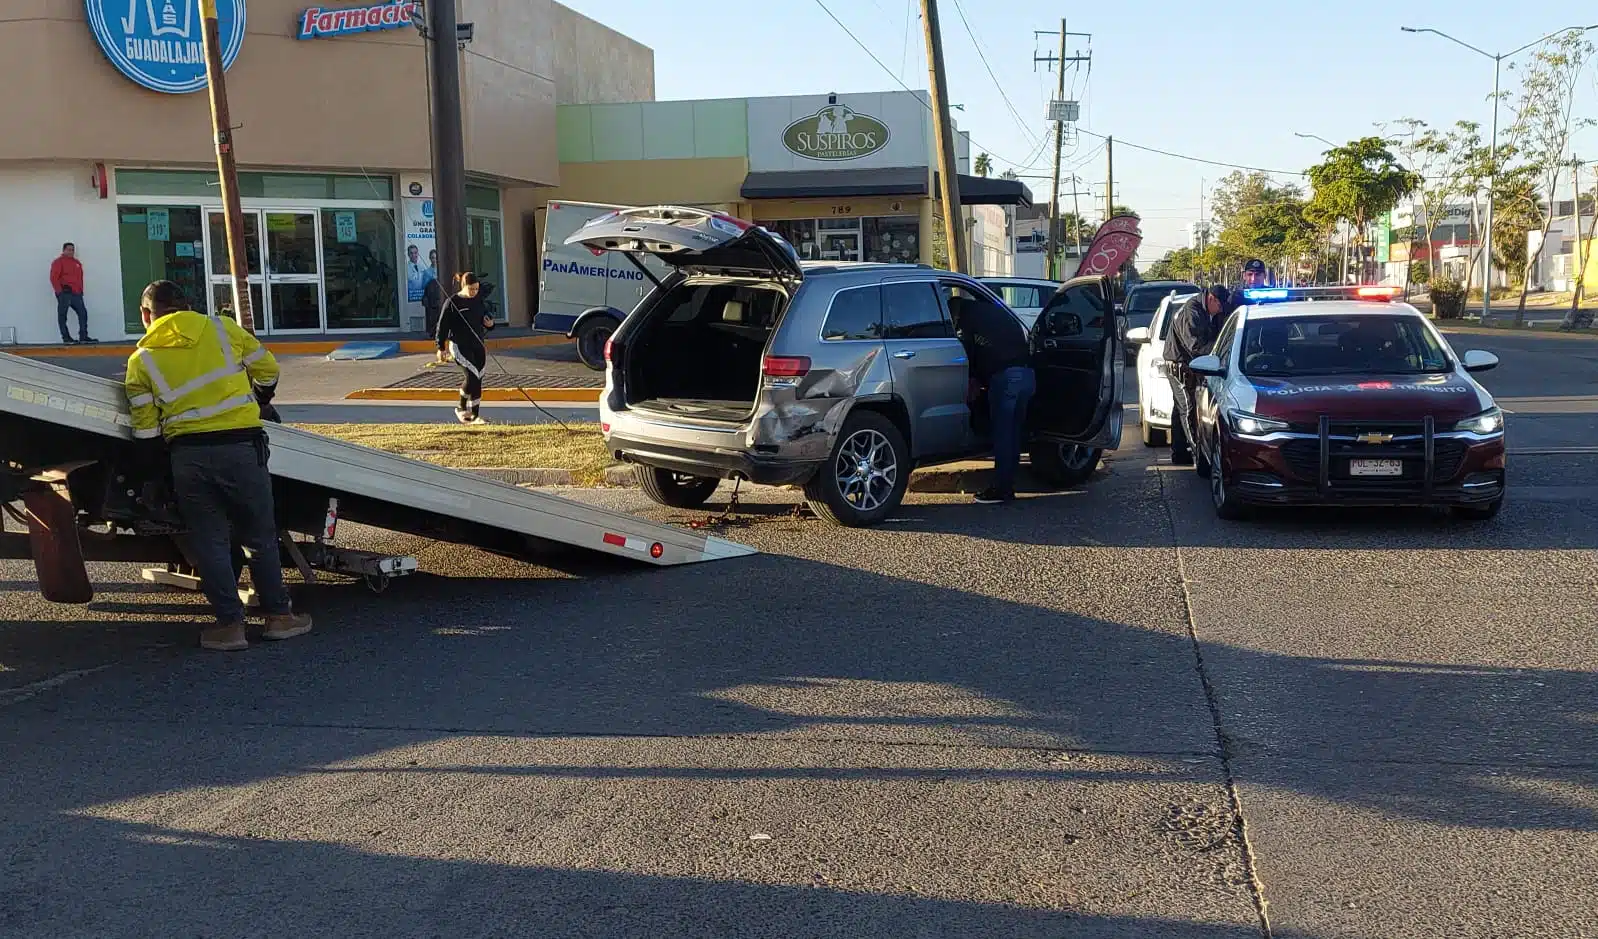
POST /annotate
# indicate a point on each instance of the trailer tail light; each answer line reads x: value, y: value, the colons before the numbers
x: 787, y: 366
x: 656, y: 550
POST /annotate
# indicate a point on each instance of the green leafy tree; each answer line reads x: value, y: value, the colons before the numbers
x: 1178, y: 264
x: 984, y: 164
x: 1443, y: 161
x: 1357, y: 182
x: 1541, y: 132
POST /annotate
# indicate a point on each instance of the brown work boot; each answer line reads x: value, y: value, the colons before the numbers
x: 286, y: 626
x: 224, y: 638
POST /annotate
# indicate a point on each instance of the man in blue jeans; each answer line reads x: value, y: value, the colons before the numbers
x: 1001, y: 360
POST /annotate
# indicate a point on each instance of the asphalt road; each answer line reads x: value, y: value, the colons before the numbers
x: 1090, y: 714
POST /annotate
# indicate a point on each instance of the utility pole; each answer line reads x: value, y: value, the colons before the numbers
x: 1076, y: 214
x: 226, y: 168
x: 1109, y: 178
x: 1054, y: 188
x: 1059, y: 112
x: 943, y: 128
x: 449, y: 157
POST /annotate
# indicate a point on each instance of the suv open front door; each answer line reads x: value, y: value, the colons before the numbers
x: 692, y: 239
x: 1076, y: 355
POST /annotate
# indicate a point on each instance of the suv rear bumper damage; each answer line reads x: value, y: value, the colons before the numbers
x: 717, y: 463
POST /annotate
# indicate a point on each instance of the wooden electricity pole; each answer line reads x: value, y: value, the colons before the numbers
x: 943, y: 129
x: 1058, y: 109
x: 1054, y: 189
x: 226, y: 168
x: 1109, y: 178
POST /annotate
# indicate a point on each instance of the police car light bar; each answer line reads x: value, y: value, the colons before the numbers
x: 1279, y: 294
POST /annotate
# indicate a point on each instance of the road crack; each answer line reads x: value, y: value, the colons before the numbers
x: 1222, y: 738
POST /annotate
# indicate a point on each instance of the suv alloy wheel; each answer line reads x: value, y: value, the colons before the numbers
x: 865, y: 476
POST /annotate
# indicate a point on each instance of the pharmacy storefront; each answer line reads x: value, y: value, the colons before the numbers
x: 842, y: 177
x: 330, y: 107
x: 327, y: 252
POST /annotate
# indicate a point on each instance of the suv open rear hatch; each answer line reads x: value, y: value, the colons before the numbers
x: 693, y: 241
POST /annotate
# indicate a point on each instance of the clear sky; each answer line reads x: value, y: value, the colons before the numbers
x: 1228, y: 80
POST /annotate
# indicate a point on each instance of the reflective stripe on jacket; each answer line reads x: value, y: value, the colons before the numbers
x: 196, y: 374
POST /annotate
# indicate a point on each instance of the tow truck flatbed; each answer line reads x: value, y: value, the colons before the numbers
x: 63, y: 433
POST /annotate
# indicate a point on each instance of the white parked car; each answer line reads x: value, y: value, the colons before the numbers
x: 1024, y: 295
x: 1153, y: 389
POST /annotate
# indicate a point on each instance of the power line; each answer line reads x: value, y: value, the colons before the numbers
x: 924, y: 103
x: 1019, y: 122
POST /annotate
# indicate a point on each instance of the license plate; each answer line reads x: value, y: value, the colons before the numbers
x: 1375, y: 467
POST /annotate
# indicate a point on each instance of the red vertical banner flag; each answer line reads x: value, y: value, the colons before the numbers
x: 1115, y: 243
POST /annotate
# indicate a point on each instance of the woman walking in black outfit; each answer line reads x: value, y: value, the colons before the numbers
x: 461, y: 325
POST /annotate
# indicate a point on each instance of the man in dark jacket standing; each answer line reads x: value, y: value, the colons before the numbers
x: 1192, y: 335
x: 1001, y: 360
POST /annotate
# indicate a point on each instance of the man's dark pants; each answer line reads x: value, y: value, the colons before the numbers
x: 1182, y: 429
x: 1009, y: 392
x: 71, y: 300
x: 225, y: 495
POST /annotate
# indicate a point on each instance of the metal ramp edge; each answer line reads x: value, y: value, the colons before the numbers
x: 47, y: 392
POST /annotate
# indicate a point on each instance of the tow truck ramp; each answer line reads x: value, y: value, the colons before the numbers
x: 64, y: 433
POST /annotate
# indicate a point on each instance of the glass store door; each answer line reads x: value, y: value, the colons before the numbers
x: 285, y: 292
x: 294, y: 271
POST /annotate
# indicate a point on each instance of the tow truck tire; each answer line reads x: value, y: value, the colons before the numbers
x: 1479, y: 513
x: 868, y: 434
x: 1064, y: 465
x: 591, y: 339
x: 677, y: 490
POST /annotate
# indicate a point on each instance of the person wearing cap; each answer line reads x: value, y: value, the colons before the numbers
x: 196, y: 386
x: 1253, y: 276
x: 1192, y: 334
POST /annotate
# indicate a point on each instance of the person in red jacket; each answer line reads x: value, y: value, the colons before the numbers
x: 66, y: 279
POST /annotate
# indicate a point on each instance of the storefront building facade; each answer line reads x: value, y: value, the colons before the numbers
x: 842, y: 177
x: 332, y: 141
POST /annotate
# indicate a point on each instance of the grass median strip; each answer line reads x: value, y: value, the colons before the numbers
x: 543, y: 446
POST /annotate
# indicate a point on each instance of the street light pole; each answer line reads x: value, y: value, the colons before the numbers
x: 1492, y: 193
x: 1492, y: 169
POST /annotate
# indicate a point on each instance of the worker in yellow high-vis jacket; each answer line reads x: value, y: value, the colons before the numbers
x: 197, y: 383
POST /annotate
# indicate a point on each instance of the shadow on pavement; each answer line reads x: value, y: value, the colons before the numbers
x: 775, y: 646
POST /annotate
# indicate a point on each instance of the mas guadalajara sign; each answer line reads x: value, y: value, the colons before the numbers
x: 836, y: 132
x: 160, y: 43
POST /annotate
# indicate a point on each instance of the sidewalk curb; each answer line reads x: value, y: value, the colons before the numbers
x: 1532, y: 331
x: 588, y: 395
x: 123, y: 348
x: 519, y: 476
x: 624, y: 476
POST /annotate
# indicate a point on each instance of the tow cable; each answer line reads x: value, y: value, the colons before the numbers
x: 731, y: 518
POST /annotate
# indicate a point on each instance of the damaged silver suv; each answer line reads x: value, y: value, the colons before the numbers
x: 743, y: 363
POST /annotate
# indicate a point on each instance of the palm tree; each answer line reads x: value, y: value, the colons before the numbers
x: 984, y: 164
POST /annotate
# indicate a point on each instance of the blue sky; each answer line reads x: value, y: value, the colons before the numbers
x: 1229, y: 80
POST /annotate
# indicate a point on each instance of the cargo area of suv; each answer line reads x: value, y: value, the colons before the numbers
x: 697, y: 352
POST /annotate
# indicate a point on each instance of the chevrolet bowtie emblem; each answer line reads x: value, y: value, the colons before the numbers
x: 1375, y: 438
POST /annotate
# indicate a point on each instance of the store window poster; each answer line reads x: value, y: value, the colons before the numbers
x: 158, y: 224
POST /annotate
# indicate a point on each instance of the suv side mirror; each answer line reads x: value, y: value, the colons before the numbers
x: 1138, y: 335
x: 1207, y: 365
x: 1478, y: 361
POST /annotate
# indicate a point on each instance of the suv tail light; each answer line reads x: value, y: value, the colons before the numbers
x: 608, y: 342
x: 787, y: 366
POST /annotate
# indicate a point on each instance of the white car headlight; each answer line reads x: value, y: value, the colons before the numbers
x: 1490, y: 421
x: 1252, y: 425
